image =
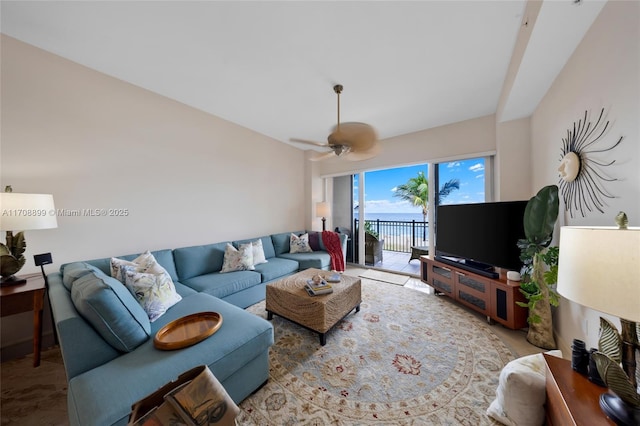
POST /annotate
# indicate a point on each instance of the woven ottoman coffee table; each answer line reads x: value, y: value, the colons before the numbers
x: 288, y: 299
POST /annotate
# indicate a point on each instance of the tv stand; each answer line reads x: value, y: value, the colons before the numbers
x: 494, y: 297
x: 479, y: 268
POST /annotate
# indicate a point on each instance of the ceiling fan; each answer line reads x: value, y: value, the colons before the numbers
x: 353, y: 141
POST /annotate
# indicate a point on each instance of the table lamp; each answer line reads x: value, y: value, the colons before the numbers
x: 21, y: 212
x: 599, y: 267
x: 322, y: 210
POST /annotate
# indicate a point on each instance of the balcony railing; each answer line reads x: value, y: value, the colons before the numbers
x: 398, y: 235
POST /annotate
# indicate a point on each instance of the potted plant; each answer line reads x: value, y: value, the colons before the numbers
x: 540, y: 270
x: 372, y: 245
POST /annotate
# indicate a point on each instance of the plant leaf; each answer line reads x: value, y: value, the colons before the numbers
x: 540, y: 215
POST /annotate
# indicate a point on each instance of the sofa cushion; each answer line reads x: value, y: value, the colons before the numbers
x: 198, y: 260
x: 317, y: 259
x: 221, y: 285
x: 276, y: 268
x: 112, y: 310
x: 237, y: 259
x: 72, y: 271
x: 281, y: 242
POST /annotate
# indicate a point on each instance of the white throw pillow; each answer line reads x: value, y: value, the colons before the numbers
x: 240, y: 259
x: 154, y: 292
x: 258, y: 252
x: 299, y: 244
x: 521, y: 392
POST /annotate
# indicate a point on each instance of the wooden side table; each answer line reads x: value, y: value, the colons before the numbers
x: 24, y: 298
x: 571, y: 398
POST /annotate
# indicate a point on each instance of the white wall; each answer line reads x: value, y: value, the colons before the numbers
x: 603, y: 72
x: 513, y: 160
x: 186, y: 177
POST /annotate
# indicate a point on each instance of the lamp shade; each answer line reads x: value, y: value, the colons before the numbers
x: 599, y: 267
x: 23, y: 212
x: 322, y: 209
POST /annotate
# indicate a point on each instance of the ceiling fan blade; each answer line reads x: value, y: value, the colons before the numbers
x: 324, y: 156
x: 308, y: 142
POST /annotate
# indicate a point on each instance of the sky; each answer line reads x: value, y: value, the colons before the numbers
x: 380, y: 185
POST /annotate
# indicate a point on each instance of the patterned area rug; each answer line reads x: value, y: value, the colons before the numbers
x: 407, y: 358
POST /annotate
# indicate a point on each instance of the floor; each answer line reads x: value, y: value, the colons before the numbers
x: 394, y: 261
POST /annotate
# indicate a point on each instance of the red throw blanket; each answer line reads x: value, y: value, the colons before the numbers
x: 331, y: 241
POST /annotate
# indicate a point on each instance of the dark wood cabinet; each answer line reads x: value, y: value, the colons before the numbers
x: 494, y: 297
x: 571, y: 398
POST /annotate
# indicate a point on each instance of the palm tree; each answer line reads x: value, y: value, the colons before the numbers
x: 416, y: 191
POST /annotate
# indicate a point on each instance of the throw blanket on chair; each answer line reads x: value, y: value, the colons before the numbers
x: 331, y: 241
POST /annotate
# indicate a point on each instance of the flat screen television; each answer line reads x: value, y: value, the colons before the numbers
x: 479, y: 237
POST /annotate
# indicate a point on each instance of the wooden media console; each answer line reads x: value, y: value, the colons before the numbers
x: 494, y: 297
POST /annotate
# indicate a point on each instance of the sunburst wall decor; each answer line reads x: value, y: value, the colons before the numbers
x: 581, y: 176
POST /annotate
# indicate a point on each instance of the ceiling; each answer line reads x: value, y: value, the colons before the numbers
x: 270, y: 66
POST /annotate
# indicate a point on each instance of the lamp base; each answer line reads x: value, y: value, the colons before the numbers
x: 12, y: 280
x: 619, y: 411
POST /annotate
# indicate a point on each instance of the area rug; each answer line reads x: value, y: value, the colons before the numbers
x: 407, y: 358
x: 386, y: 277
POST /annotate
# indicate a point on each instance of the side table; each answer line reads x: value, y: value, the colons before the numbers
x: 571, y: 398
x: 24, y: 298
x: 417, y: 251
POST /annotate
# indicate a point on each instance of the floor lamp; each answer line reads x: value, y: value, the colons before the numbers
x: 599, y: 268
x: 21, y: 212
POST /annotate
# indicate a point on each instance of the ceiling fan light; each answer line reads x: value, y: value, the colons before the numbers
x: 341, y: 150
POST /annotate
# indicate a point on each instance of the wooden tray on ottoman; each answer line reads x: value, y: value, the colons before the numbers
x: 288, y: 299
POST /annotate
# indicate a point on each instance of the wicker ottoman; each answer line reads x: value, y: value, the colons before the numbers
x: 288, y: 299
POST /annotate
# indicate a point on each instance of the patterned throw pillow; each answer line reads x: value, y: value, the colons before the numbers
x: 143, y: 263
x: 258, y: 252
x: 240, y: 259
x: 299, y: 244
x: 149, y: 282
x: 154, y: 292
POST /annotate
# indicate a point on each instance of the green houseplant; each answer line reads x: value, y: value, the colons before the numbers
x: 540, y: 270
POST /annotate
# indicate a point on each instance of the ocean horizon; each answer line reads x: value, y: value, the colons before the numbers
x: 399, y: 217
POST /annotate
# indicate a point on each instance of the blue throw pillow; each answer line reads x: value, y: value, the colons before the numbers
x: 72, y: 271
x: 112, y: 310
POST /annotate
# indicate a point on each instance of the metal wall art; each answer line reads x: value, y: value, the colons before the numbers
x: 581, y: 176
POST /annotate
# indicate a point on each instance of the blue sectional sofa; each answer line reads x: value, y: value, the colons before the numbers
x: 107, y: 345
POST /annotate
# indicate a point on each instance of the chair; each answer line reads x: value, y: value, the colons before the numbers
x: 372, y: 249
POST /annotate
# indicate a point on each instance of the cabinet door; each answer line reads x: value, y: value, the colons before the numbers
x: 473, y: 291
x: 441, y: 278
x: 504, y: 308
